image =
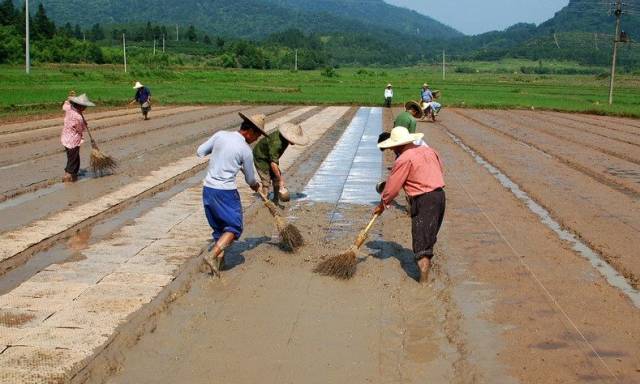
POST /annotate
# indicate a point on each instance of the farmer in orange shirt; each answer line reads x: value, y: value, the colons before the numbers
x: 418, y: 170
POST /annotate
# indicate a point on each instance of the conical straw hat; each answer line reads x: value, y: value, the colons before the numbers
x: 293, y: 133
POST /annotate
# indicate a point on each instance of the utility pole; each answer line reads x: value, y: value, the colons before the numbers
x: 295, y: 67
x: 27, y: 53
x: 595, y: 40
x: 154, y: 46
x: 444, y: 65
x: 163, y: 43
x: 616, y: 40
x: 124, y: 50
x: 177, y: 33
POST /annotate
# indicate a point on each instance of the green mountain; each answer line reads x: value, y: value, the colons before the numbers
x: 582, y: 31
x: 375, y: 13
x: 253, y: 19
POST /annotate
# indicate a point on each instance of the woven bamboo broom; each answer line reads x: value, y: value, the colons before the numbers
x: 343, y: 266
x: 290, y: 236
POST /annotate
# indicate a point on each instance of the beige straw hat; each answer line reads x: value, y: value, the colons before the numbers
x: 138, y: 85
x: 425, y: 85
x: 389, y: 85
x: 400, y: 136
x: 82, y: 100
x: 414, y: 105
x: 293, y: 133
x: 256, y: 120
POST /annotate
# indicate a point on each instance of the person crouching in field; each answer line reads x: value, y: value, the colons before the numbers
x: 419, y: 171
x: 267, y: 153
x: 388, y: 95
x: 143, y: 97
x: 230, y: 154
x: 72, y: 133
x: 408, y: 118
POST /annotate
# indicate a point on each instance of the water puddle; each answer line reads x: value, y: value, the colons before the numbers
x: 609, y: 273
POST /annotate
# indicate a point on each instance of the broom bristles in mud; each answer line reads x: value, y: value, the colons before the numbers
x: 289, y: 233
x: 341, y: 267
x: 101, y: 163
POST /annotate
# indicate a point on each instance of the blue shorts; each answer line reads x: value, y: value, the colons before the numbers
x: 224, y: 211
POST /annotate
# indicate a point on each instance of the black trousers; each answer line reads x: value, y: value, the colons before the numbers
x: 427, y: 213
x: 387, y: 102
x: 73, y: 160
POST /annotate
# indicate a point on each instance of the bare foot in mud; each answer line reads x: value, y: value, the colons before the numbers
x: 424, y: 264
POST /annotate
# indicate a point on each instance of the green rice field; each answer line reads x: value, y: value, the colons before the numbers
x: 478, y: 85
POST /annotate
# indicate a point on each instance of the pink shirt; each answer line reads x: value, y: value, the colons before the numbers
x: 418, y: 170
x: 74, y: 126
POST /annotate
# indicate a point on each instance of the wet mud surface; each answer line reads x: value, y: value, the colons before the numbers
x: 509, y: 301
x: 35, y: 186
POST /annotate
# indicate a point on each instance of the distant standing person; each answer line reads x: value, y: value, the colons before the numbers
x: 230, y: 154
x: 267, y: 154
x: 388, y: 95
x: 408, y: 118
x: 143, y: 97
x: 72, y: 133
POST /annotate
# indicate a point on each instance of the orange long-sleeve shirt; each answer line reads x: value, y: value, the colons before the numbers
x: 418, y: 170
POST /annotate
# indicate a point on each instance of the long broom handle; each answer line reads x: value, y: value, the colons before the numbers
x: 362, y: 237
x: 93, y: 142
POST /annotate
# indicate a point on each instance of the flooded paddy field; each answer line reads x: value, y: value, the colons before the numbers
x: 536, y: 272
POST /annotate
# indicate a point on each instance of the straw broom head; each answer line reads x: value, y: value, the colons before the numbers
x: 341, y: 267
x: 100, y: 163
x: 290, y: 235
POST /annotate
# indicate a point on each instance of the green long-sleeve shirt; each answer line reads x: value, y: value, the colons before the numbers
x: 269, y: 150
x: 405, y: 119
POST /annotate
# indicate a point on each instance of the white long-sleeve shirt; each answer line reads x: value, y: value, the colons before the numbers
x: 230, y: 154
x: 388, y: 92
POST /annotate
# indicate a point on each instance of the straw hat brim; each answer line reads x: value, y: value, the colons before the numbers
x: 391, y: 143
x: 416, y: 106
x: 138, y: 86
x: 82, y: 100
x: 289, y: 133
x: 256, y: 125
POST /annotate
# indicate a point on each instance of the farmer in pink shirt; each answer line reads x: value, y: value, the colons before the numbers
x: 74, y: 127
x: 418, y: 170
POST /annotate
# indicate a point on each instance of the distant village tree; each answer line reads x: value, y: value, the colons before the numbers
x: 191, y: 34
x: 42, y: 27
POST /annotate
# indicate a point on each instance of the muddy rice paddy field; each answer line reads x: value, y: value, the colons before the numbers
x: 536, y: 277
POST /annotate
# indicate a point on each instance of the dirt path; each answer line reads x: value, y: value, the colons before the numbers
x: 603, y: 216
x: 36, y: 187
x: 512, y: 300
x: 369, y: 330
x: 494, y: 256
x: 617, y: 167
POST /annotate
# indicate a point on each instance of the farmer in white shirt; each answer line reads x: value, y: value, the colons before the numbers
x: 230, y: 154
x: 388, y: 95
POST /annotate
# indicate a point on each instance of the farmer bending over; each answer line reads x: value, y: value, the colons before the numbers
x: 230, y: 154
x: 418, y: 170
x: 267, y: 154
x: 72, y: 133
x: 408, y: 118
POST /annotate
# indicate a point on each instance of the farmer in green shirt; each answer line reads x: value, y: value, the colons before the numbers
x: 408, y: 118
x: 267, y: 153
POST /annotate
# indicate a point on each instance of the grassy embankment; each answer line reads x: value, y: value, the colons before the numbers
x: 489, y: 85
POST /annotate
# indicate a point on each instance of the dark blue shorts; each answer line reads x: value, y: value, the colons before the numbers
x: 224, y: 211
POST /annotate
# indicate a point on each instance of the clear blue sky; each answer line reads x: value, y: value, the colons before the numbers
x: 478, y: 16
